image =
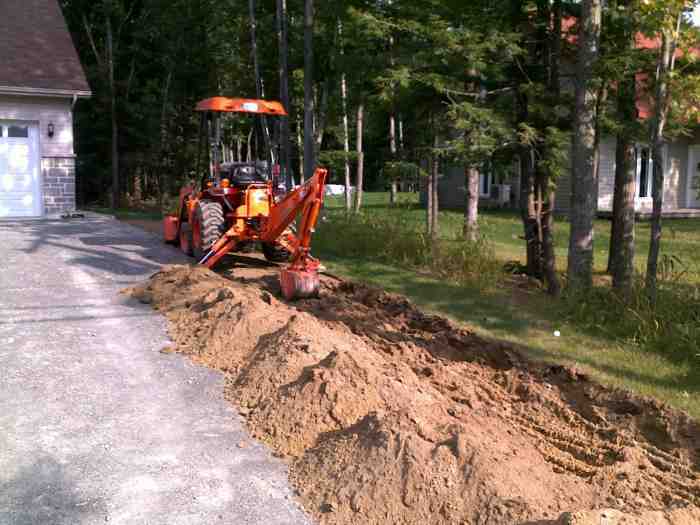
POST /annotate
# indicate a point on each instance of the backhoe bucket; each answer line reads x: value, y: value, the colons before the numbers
x: 299, y: 283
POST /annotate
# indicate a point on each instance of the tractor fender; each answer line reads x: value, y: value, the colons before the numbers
x: 188, y: 202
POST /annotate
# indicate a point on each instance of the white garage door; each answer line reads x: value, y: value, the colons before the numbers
x: 20, y: 189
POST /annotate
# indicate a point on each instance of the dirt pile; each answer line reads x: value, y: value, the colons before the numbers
x: 388, y: 415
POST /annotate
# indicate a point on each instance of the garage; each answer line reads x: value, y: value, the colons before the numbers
x: 20, y: 184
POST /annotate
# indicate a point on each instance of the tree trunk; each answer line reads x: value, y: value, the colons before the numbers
x: 435, y: 211
x: 405, y: 185
x: 622, y: 255
x: 259, y: 87
x: 528, y: 211
x: 320, y: 127
x: 548, y: 190
x: 583, y: 170
x: 555, y: 48
x: 393, y: 197
x: 470, y: 230
x: 163, y: 138
x: 625, y: 186
x: 309, y: 109
x: 664, y: 68
x: 346, y: 131
x: 300, y: 147
x: 113, y: 114
x: 282, y: 39
x: 429, y: 198
x: 545, y: 233
x: 360, y: 156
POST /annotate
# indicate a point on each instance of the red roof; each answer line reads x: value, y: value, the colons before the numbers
x: 644, y: 103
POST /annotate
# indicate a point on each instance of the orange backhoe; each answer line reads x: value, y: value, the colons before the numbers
x: 240, y: 203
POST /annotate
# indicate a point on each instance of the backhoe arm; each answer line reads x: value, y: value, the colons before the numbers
x: 306, y: 199
x: 300, y: 278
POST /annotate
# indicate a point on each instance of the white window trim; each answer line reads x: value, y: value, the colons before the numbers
x: 481, y: 184
x: 650, y: 175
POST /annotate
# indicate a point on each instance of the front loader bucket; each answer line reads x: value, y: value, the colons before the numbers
x: 299, y: 283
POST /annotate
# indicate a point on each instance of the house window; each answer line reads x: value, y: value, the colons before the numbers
x: 645, y: 171
x: 18, y: 132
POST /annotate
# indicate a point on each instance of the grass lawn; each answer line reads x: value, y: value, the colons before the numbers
x: 527, y: 316
x: 504, y: 229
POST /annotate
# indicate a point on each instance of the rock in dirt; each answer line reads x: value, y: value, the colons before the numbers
x: 389, y: 415
x: 679, y: 516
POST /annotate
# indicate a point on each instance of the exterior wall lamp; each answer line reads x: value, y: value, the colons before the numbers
x: 50, y: 130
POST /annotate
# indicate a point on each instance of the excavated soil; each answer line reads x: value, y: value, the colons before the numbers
x: 388, y: 415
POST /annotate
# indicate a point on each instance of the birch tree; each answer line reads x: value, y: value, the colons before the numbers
x: 360, y: 178
x: 346, y: 131
x: 669, y: 18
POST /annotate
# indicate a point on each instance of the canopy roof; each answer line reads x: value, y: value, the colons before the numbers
x: 241, y: 105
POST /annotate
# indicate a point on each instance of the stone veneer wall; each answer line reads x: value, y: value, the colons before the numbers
x: 58, y: 175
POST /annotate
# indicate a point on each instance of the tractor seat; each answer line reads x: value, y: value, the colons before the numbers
x: 246, y: 173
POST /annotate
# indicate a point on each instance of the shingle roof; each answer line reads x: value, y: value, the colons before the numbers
x: 36, y: 49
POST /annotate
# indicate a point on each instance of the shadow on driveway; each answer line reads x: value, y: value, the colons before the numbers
x: 42, y: 493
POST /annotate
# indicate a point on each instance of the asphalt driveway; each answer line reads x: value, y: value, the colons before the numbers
x: 98, y: 426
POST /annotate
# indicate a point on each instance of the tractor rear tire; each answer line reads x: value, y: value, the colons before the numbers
x: 275, y: 252
x: 208, y: 226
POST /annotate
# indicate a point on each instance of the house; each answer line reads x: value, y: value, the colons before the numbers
x: 499, y: 185
x: 681, y: 192
x: 40, y: 80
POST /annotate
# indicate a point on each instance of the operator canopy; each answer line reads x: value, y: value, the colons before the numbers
x: 241, y: 105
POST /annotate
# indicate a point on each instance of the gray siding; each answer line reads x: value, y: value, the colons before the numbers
x: 43, y: 110
x: 606, y: 174
x: 452, y: 190
x: 57, y: 157
x: 675, y: 180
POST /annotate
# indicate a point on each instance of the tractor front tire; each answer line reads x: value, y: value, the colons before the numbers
x: 207, y: 227
x: 275, y: 252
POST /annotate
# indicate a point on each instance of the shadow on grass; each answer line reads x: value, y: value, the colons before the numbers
x: 495, y: 314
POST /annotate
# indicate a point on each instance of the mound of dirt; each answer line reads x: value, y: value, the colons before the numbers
x: 388, y: 415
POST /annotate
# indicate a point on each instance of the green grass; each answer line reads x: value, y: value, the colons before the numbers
x: 667, y: 368
x: 504, y: 230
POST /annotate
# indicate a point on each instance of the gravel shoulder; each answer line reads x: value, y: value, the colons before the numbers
x: 96, y: 424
